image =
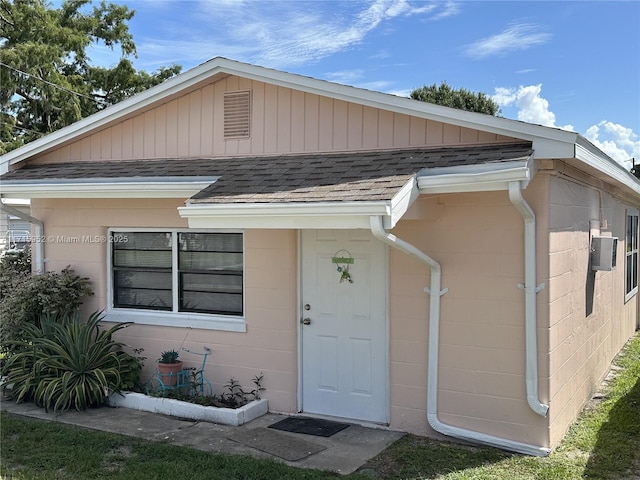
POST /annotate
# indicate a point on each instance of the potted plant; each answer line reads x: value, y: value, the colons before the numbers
x: 169, y: 368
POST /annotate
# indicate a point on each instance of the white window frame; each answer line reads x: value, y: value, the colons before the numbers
x: 631, y: 212
x: 207, y: 321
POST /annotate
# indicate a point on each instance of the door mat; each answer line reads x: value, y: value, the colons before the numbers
x: 309, y: 426
x: 279, y: 444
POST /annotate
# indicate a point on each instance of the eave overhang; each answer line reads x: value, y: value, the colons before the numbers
x: 301, y: 215
x: 338, y: 215
x: 129, y: 187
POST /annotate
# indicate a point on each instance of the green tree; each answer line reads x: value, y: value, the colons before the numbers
x: 47, y: 80
x: 461, y: 98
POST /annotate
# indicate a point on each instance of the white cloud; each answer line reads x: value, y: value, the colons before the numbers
x: 517, y: 36
x: 278, y: 34
x: 617, y: 141
x: 450, y: 9
x: 532, y: 108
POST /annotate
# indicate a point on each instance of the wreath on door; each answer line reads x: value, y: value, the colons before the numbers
x: 343, y: 263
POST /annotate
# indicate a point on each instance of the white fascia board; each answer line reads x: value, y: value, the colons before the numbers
x: 404, y: 105
x: 475, y: 178
x: 402, y: 200
x: 113, y: 188
x: 589, y: 154
x: 113, y: 113
x: 338, y: 215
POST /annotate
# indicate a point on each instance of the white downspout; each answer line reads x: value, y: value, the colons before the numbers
x: 434, y: 341
x: 530, y: 290
x: 38, y: 253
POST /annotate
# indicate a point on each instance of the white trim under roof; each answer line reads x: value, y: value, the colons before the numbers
x: 126, y: 187
x: 606, y: 165
x: 476, y: 178
x: 339, y: 215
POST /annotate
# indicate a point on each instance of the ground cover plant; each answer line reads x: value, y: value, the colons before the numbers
x: 604, y: 443
x: 233, y: 396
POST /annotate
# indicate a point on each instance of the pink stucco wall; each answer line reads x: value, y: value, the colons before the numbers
x: 478, y: 240
x: 586, y: 328
x: 270, y: 343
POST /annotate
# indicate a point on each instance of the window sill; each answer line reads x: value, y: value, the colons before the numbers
x: 171, y: 319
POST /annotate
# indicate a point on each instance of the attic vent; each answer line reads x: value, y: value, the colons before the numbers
x: 237, y: 108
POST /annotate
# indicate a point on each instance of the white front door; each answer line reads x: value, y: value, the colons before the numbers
x: 344, y: 331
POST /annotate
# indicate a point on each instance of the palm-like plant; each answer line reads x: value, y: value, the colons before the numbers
x: 67, y: 363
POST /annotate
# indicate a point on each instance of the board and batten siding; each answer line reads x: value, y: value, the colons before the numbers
x: 283, y: 121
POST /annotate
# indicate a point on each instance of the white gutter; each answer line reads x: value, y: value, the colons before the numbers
x: 434, y: 342
x: 120, y: 187
x: 530, y: 290
x: 38, y: 254
x: 476, y: 178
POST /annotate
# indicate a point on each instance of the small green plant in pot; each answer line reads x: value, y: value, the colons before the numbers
x: 169, y: 367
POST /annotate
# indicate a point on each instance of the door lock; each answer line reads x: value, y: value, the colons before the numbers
x: 306, y: 321
x: 307, y: 307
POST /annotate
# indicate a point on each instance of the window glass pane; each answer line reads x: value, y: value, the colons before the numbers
x: 211, y: 283
x: 142, y: 270
x: 631, y: 265
x: 211, y: 242
x: 143, y: 298
x: 211, y: 261
x: 143, y: 241
x: 142, y: 258
x: 211, y: 267
x: 148, y: 280
x: 221, y: 303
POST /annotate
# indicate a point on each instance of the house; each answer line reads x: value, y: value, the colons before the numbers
x: 379, y: 259
x: 15, y: 232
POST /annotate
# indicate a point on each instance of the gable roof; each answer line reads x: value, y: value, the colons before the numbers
x: 548, y: 143
x: 544, y: 137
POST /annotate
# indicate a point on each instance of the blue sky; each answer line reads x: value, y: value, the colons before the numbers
x: 573, y: 65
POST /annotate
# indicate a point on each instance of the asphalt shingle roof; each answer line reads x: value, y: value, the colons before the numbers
x: 312, y: 177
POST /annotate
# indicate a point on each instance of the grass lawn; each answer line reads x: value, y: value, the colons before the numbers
x: 603, y: 444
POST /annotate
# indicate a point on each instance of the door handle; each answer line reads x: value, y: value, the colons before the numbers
x: 306, y: 321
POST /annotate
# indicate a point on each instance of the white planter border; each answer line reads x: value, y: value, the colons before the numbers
x: 177, y: 408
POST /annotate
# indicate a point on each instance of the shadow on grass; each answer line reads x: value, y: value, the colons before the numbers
x: 617, y: 448
x: 422, y: 457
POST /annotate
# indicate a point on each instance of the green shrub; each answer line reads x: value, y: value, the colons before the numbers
x: 24, y: 299
x: 130, y: 368
x: 16, y: 262
x: 64, y: 362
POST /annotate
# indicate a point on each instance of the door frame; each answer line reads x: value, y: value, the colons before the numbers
x: 386, y: 340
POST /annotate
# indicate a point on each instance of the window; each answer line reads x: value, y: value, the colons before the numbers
x: 631, y: 264
x: 190, y: 272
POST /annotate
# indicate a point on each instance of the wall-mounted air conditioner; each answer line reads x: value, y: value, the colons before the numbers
x: 603, y: 253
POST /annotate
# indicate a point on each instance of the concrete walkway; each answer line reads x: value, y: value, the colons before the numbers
x: 343, y: 452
